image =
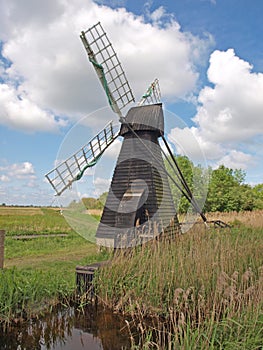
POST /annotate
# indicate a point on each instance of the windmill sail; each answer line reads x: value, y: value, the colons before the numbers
x: 73, y: 168
x: 152, y: 95
x: 108, y: 67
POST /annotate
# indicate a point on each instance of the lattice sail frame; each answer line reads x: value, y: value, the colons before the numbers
x: 108, y: 67
x: 72, y: 169
x: 152, y: 95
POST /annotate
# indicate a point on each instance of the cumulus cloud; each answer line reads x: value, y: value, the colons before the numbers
x: 21, y: 170
x: 229, y: 112
x: 48, y: 66
x: 18, y: 184
x: 236, y: 160
x: 188, y: 142
x: 24, y: 170
x: 19, y: 112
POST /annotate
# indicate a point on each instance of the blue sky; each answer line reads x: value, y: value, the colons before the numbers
x: 207, y: 54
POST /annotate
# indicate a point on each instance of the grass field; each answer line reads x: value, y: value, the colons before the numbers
x: 39, y: 272
x: 202, y: 290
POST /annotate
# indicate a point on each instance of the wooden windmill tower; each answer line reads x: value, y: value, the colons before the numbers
x: 139, y: 205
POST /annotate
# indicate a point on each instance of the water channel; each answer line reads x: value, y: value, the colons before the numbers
x: 68, y: 329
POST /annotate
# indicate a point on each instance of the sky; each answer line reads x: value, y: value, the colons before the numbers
x: 207, y: 55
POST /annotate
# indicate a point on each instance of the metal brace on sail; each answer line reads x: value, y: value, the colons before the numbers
x: 73, y: 168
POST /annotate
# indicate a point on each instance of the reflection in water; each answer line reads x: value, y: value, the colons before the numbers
x: 69, y: 329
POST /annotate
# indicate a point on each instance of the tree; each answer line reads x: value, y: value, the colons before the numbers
x: 90, y: 202
x: 196, y: 178
x: 103, y: 198
x: 225, y: 190
x: 257, y: 192
x: 247, y: 197
x: 95, y: 203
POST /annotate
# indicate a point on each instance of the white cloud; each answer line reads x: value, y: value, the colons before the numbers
x: 187, y: 142
x: 22, y: 171
x: 114, y: 149
x: 101, y: 185
x: 232, y: 109
x: 158, y: 15
x: 19, y: 112
x: 229, y: 115
x: 4, y: 178
x: 19, y: 185
x: 236, y: 160
x: 50, y: 70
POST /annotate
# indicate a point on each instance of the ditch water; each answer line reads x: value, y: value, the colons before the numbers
x: 68, y: 329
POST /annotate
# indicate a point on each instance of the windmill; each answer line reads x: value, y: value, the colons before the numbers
x: 139, y: 204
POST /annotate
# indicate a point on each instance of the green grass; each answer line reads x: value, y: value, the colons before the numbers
x: 42, y: 221
x: 39, y: 272
x: 43, y: 246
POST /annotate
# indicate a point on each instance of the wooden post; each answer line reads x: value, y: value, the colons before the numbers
x: 84, y: 279
x: 2, y: 247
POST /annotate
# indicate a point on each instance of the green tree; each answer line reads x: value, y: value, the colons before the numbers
x: 257, y: 192
x: 247, y: 197
x: 102, y: 198
x: 226, y: 190
x: 90, y: 203
x: 196, y: 178
x: 93, y: 203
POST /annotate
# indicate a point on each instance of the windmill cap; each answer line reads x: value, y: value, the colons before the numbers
x: 144, y: 118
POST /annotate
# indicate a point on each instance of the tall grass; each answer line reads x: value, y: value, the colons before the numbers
x: 23, y: 292
x: 191, y: 292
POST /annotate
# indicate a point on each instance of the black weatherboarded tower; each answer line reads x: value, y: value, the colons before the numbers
x: 139, y: 205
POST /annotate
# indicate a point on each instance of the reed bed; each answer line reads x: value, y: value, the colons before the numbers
x: 202, y: 290
x: 248, y: 218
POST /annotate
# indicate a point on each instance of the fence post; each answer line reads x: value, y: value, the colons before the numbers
x: 2, y: 248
